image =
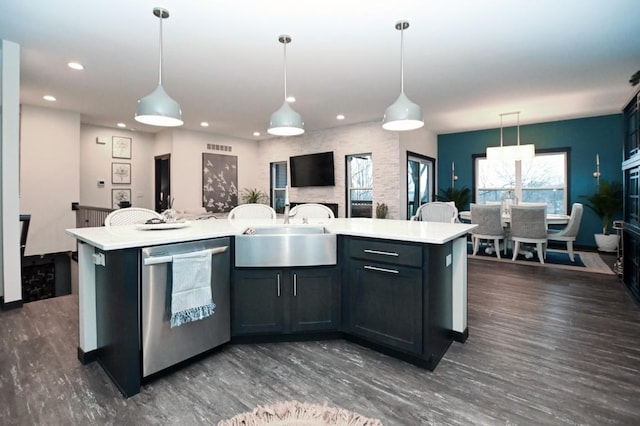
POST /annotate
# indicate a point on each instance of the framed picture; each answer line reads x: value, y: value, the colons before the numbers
x: 120, y: 147
x: 219, y: 182
x: 119, y: 195
x: 121, y: 173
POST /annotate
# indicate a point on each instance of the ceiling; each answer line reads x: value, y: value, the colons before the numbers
x: 465, y: 61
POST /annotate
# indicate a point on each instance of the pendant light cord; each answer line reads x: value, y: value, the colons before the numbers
x: 401, y: 58
x: 160, y: 63
x: 285, y: 70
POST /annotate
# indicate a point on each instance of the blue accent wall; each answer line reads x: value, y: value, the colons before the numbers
x: 586, y: 137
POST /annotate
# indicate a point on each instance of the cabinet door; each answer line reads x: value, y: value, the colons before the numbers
x: 257, y: 302
x: 385, y: 305
x: 315, y: 299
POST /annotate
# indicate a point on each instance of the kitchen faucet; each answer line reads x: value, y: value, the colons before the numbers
x: 286, y: 213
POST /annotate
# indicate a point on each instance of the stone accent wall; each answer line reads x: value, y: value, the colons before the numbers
x: 347, y: 140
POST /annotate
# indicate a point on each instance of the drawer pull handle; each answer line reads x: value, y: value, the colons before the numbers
x: 384, y: 253
x: 295, y: 285
x: 375, y: 268
x: 278, y: 275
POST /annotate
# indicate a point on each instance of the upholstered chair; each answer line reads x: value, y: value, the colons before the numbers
x: 570, y: 232
x: 529, y: 225
x: 489, y: 221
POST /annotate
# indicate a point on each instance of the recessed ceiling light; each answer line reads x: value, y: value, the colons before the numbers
x: 121, y: 125
x: 256, y: 133
x: 339, y: 117
x: 291, y: 99
x: 204, y: 124
x: 75, y: 66
x: 49, y: 98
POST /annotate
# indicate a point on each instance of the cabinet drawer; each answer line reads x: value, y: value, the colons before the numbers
x: 385, y: 251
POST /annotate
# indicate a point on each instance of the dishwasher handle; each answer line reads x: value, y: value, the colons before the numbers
x: 155, y: 260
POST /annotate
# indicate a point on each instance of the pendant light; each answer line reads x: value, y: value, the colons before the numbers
x: 157, y: 108
x: 285, y: 121
x: 402, y: 114
x: 511, y: 152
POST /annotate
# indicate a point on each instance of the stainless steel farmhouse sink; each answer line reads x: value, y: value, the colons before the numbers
x: 286, y: 246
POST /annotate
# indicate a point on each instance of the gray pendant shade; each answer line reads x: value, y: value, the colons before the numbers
x: 158, y: 108
x: 402, y: 114
x: 285, y: 121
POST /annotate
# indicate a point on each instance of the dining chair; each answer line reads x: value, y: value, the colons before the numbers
x: 303, y: 213
x: 529, y: 225
x: 437, y: 211
x: 489, y: 221
x: 570, y: 232
x: 130, y: 216
x: 252, y: 211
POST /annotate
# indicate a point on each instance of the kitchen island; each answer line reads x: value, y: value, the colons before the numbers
x: 428, y: 258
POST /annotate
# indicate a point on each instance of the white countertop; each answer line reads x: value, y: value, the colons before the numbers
x: 129, y: 236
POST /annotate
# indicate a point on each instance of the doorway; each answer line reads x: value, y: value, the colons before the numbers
x: 163, y: 182
x: 420, y: 181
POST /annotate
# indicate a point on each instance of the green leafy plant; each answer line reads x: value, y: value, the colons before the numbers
x: 253, y: 195
x: 606, y: 202
x: 460, y: 196
x: 381, y: 210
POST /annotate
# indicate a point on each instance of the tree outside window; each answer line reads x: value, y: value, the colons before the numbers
x: 542, y: 179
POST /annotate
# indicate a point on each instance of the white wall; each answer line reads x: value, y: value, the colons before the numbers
x: 419, y: 141
x: 389, y: 161
x: 10, y: 276
x: 49, y: 176
x: 186, y: 164
x: 96, y: 161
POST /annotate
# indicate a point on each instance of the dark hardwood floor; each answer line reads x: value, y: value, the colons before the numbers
x: 546, y: 347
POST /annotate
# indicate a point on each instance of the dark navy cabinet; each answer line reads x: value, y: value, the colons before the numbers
x: 399, y: 296
x: 285, y: 300
x: 631, y: 173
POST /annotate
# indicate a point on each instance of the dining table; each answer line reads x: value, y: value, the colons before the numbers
x: 552, y: 218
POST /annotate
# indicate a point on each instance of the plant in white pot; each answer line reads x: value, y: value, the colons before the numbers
x: 606, y: 202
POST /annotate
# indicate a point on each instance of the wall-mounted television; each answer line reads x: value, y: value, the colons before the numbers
x: 312, y: 169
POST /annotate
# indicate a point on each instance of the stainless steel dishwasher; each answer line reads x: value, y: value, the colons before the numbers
x: 163, y: 346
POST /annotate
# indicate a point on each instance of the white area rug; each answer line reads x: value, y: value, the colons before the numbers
x: 290, y: 413
x: 592, y: 263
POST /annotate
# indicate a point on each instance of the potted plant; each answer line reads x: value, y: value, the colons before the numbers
x: 253, y: 196
x: 381, y: 210
x: 460, y: 196
x: 606, y: 202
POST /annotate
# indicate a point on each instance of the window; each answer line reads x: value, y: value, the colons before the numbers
x: 542, y: 179
x: 359, y: 185
x: 278, y: 185
x: 419, y: 181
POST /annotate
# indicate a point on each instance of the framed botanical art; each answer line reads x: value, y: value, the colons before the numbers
x: 121, y: 173
x: 120, y: 195
x: 120, y: 147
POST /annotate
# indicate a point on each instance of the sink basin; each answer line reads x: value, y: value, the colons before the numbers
x: 286, y: 246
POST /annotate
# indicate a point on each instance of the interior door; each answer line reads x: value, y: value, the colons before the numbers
x: 163, y: 182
